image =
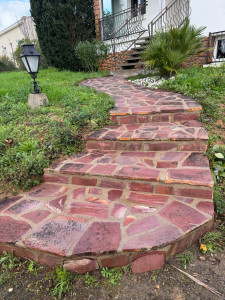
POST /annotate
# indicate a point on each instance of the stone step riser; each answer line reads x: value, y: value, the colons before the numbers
x: 161, y: 145
x: 144, y: 260
x: 137, y: 186
x: 159, y: 117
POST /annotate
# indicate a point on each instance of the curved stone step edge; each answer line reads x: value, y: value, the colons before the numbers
x: 139, y: 261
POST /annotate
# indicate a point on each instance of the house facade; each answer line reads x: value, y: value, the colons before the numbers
x: 127, y: 25
x: 10, y: 36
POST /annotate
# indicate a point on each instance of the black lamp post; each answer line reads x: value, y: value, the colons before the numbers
x: 31, y: 60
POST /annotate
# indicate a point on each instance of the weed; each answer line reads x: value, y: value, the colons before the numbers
x: 90, y: 280
x: 185, y: 259
x: 221, y: 228
x: 211, y: 242
x: 34, y: 268
x: 9, y: 261
x: 114, y: 275
x: 61, y: 280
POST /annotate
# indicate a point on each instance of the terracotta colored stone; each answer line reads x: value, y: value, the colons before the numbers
x: 78, y: 194
x: 184, y: 199
x: 150, y: 262
x: 195, y: 193
x: 147, y: 199
x: 7, y: 202
x: 112, y: 184
x: 95, y: 191
x: 78, y: 168
x: 88, y: 209
x: 161, y: 146
x: 81, y: 266
x: 137, y: 209
x: 196, y: 160
x: 164, y: 189
x: 190, y: 176
x: 115, y: 262
x: 206, y: 206
x: 172, y: 156
x: 128, y: 220
x: 181, y: 244
x: 12, y: 230
x: 48, y: 190
x: 56, y: 235
x: 167, y: 164
x: 142, y: 225
x: 23, y: 206
x: 138, y: 173
x: 84, y: 181
x: 103, y: 169
x: 183, y: 216
x: 57, y: 204
x: 158, y: 237
x: 100, y: 237
x: 100, y: 146
x: 194, y: 147
x: 55, y: 178
x: 50, y: 260
x: 114, y: 195
x: 119, y: 211
x: 36, y: 216
x: 140, y: 187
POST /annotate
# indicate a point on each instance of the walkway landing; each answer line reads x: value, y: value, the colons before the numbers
x: 140, y: 193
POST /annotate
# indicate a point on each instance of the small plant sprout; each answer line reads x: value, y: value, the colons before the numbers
x: 114, y: 275
x: 185, y: 259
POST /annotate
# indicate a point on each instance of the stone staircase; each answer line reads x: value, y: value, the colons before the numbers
x: 133, y: 57
x: 140, y: 193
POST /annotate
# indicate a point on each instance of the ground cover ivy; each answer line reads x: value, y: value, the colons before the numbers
x: 31, y: 139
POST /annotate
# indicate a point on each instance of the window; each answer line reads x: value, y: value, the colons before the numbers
x: 220, y: 51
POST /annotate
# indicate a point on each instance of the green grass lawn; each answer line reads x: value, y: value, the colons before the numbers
x: 207, y: 86
x: 31, y: 139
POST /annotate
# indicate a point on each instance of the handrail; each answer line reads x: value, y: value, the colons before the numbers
x: 174, y: 14
x: 129, y: 29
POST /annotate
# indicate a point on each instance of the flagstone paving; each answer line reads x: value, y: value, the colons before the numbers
x: 141, y: 192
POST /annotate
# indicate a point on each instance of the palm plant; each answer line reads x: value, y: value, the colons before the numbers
x: 168, y: 50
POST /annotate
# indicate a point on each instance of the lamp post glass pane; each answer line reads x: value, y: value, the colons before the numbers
x: 25, y: 64
x: 33, y: 62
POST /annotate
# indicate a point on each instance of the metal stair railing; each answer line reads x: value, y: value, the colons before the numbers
x: 128, y: 32
x: 173, y: 15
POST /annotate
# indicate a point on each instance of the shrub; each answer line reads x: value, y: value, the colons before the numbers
x: 168, y: 50
x: 60, y: 25
x: 6, y: 64
x: 90, y: 53
x: 18, y: 51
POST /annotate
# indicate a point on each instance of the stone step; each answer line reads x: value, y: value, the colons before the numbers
x: 136, y: 104
x: 85, y: 227
x: 171, y: 167
x: 161, y: 136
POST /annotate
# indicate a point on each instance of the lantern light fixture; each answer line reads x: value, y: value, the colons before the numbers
x: 31, y: 60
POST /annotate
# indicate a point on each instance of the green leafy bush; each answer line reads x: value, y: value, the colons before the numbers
x: 6, y: 65
x: 168, y: 50
x: 18, y: 51
x: 90, y: 53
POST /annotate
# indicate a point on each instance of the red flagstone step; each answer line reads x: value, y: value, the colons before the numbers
x: 135, y: 104
x: 87, y: 227
x: 189, y: 168
x: 150, y: 137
